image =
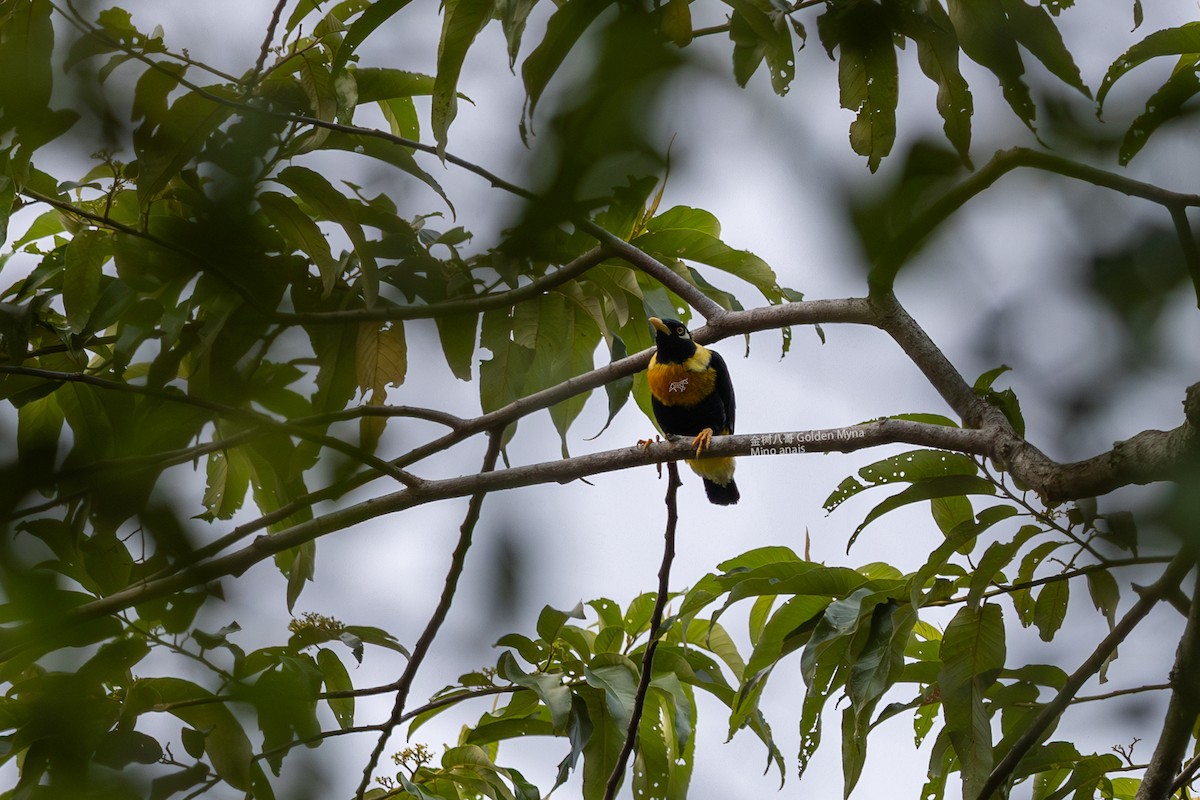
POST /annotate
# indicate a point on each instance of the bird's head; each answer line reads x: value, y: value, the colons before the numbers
x: 674, y: 343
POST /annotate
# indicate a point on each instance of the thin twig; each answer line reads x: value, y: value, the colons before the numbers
x: 421, y: 648
x: 1063, y: 576
x: 265, y: 48
x: 465, y: 305
x: 656, y: 618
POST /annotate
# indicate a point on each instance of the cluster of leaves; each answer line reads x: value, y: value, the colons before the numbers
x: 185, y: 271
x: 87, y: 726
x: 860, y: 636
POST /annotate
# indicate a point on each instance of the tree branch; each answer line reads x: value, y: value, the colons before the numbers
x: 466, y: 305
x: 1158, y: 782
x: 855, y: 437
x: 883, y: 273
x: 221, y: 409
x: 1180, y: 565
x: 656, y: 618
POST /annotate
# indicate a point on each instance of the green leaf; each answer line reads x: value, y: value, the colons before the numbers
x: 85, y: 255
x: 868, y: 77
x: 225, y: 741
x: 375, y: 15
x: 937, y: 53
x: 694, y: 235
x: 376, y: 84
x: 548, y: 687
x: 761, y: 32
x: 927, y: 489
x: 328, y: 203
x: 973, y: 652
x: 8, y: 196
x: 502, y: 377
x: 907, y: 467
x: 463, y: 21
x: 985, y: 35
x: 513, y: 15
x: 1034, y: 29
x: 786, y: 631
x: 551, y: 621
x: 1051, y: 608
x: 301, y: 233
x: 169, y: 143
x: 388, y: 153
x: 1181, y: 41
x: 1106, y: 595
x: 1029, y: 564
x: 337, y: 679
x: 617, y: 676
x: 984, y: 382
x: 603, y: 742
x: 999, y: 554
x: 618, y: 391
x: 1163, y: 106
x: 457, y: 333
x: 563, y: 30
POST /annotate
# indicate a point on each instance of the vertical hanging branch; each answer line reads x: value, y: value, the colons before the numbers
x: 660, y: 603
x: 1160, y: 778
x: 421, y: 648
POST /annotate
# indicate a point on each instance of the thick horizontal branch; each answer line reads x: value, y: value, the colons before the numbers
x: 855, y: 437
x: 1147, y: 457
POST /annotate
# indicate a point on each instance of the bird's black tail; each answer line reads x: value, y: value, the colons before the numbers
x: 721, y: 495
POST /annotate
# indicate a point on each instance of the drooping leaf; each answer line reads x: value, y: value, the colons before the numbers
x: 375, y: 15
x: 973, y: 653
x: 941, y: 486
x: 328, y: 203
x: 1033, y: 27
x: 985, y: 35
x: 337, y: 679
x: 1051, y: 608
x: 462, y: 21
x: 381, y: 360
x: 759, y: 33
x: 937, y: 53
x: 868, y: 77
x: 563, y: 30
x: 1162, y: 106
x: 301, y: 233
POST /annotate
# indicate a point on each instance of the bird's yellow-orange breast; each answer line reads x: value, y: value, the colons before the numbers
x: 682, y: 384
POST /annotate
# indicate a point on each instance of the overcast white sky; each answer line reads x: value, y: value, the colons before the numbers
x: 774, y: 171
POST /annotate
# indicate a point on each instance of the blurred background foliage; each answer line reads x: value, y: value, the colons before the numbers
x: 198, y: 291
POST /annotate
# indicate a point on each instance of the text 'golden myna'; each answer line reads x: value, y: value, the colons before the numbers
x: 692, y: 395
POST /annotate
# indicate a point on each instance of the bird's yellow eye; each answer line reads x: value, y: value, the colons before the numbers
x: 681, y: 330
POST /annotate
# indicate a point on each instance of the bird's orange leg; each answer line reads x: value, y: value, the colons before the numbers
x: 702, y: 440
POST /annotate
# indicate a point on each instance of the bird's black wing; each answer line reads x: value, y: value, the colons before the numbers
x: 724, y: 387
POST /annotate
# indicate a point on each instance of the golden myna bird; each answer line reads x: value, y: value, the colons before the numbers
x: 692, y: 395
